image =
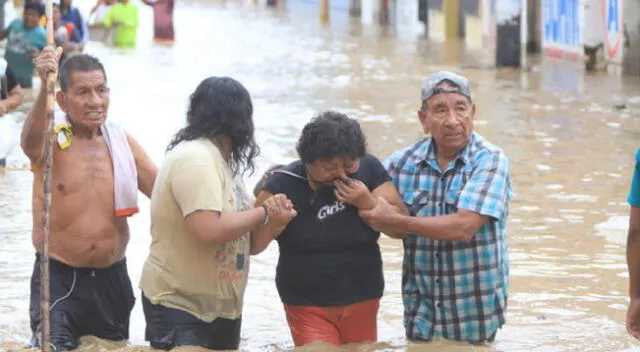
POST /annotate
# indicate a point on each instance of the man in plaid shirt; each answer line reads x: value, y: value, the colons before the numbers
x: 457, y: 187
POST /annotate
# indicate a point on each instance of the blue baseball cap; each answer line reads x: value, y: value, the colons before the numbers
x: 429, y: 87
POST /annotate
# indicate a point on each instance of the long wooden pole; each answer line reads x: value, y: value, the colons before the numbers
x: 46, y: 214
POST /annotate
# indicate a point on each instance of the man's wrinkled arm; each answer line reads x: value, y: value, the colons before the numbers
x: 388, y: 192
x: 147, y: 170
x: 458, y: 227
x: 33, y: 134
x: 483, y: 198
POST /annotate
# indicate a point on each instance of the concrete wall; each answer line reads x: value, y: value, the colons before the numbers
x: 355, y: 7
x: 452, y: 19
x: 534, y: 21
x: 436, y: 22
x: 471, y: 20
x: 562, y: 22
x: 472, y: 28
x: 631, y: 58
x: 488, y: 22
x: 589, y: 30
x: 370, y: 11
x: 337, y: 8
x: 405, y: 16
x: 603, y: 36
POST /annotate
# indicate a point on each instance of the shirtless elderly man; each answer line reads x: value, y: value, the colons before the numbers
x: 97, y: 171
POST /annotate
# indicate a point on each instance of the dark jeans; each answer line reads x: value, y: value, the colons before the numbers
x: 168, y: 328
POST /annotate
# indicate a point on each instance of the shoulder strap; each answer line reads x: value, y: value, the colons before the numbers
x: 274, y: 169
x: 285, y: 172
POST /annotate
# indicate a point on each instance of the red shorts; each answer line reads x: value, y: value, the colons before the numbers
x: 335, y: 325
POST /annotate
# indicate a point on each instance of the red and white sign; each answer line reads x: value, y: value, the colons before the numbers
x: 613, y: 25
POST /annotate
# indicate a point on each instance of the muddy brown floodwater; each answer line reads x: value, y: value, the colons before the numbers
x: 571, y: 153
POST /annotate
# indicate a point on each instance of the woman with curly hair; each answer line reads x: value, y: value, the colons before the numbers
x: 329, y: 274
x: 194, y: 278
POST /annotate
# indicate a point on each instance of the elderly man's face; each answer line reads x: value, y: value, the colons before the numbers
x: 449, y: 119
x: 86, y: 100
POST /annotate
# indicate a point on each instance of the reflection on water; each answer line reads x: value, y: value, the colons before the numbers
x: 570, y: 147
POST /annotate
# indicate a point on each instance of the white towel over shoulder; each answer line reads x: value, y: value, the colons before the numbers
x: 125, y: 173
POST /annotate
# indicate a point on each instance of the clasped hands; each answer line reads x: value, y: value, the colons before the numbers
x: 279, y: 209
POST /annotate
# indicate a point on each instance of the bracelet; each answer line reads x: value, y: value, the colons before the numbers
x: 266, y: 215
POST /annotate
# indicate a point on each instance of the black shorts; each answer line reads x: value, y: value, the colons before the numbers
x: 168, y: 328
x: 84, y: 301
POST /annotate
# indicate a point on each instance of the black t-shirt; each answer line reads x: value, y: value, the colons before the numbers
x: 7, y: 83
x: 328, y: 255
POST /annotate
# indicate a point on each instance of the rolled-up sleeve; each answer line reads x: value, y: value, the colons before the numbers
x: 488, y: 189
x: 391, y: 165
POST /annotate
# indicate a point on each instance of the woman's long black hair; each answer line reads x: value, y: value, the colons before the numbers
x: 221, y: 106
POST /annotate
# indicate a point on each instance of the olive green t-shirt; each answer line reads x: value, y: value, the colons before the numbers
x: 182, y: 272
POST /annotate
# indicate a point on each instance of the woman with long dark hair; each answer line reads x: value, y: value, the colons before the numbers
x: 194, y: 278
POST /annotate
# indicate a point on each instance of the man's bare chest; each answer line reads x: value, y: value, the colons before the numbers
x: 83, y: 169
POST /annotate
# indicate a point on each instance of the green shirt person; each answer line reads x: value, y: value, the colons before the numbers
x: 123, y: 15
x: 25, y: 39
x: 633, y: 253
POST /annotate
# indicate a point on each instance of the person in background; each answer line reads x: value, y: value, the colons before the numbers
x: 123, y: 16
x: 329, y: 274
x: 97, y: 30
x: 633, y: 253
x: 10, y: 94
x: 42, y: 20
x: 66, y: 35
x: 98, y: 12
x: 162, y: 18
x: 25, y: 38
x: 71, y: 14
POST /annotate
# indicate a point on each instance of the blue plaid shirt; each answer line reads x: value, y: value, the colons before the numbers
x: 455, y: 290
x: 634, y: 194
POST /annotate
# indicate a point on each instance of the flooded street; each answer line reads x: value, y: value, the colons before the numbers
x: 570, y: 149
